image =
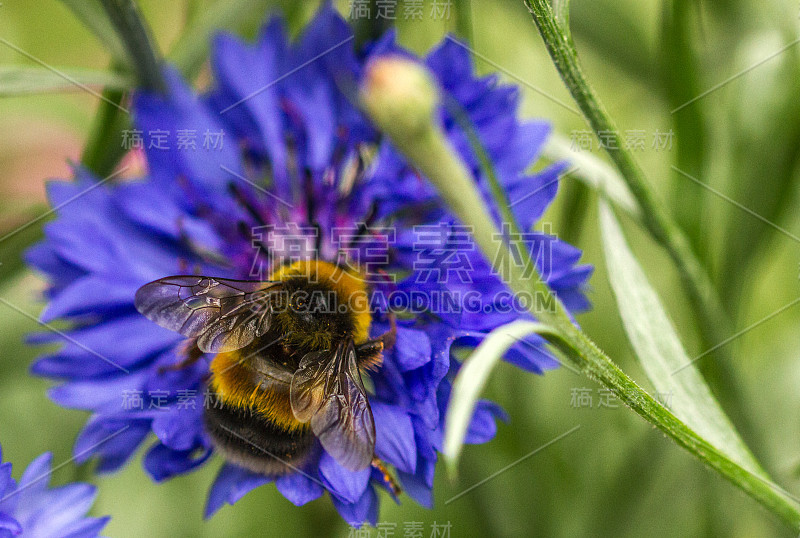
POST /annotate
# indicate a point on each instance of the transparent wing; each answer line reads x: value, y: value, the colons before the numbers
x: 327, y: 392
x: 222, y: 314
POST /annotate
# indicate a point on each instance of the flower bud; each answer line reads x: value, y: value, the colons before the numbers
x: 400, y: 96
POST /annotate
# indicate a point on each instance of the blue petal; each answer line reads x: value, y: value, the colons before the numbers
x: 345, y: 484
x: 6, y: 482
x: 146, y: 204
x: 96, y: 294
x: 325, y: 50
x: 574, y: 300
x: 232, y: 483
x: 426, y: 438
x: 44, y: 258
x: 113, y: 439
x: 35, y: 478
x: 530, y: 196
x: 364, y: 510
x: 299, y: 489
x: 419, y: 485
x: 412, y: 349
x: 67, y: 196
x: 483, y: 426
x: 249, y: 93
x: 180, y: 110
x: 452, y: 64
x: 576, y: 278
x: 107, y: 393
x: 81, y: 245
x: 85, y: 528
x: 530, y: 355
x: 394, y: 436
x: 108, y: 348
x: 8, y: 523
x: 162, y: 462
x: 7, y: 488
x: 48, y: 515
x: 524, y: 149
x: 179, y: 426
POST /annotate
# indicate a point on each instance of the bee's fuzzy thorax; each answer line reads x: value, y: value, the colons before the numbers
x: 351, y: 317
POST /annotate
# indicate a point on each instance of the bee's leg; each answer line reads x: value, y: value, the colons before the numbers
x: 387, y: 477
x: 191, y: 354
x: 390, y: 337
x: 370, y: 353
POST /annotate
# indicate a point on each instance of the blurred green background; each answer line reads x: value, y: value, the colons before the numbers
x: 616, y: 475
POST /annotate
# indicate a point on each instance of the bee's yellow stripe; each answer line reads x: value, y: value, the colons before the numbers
x: 236, y: 385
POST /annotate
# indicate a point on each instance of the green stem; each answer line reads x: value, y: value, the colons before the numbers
x: 103, y: 149
x: 464, y: 20
x: 399, y: 97
x: 595, y: 364
x: 574, y: 209
x: 454, y: 183
x: 369, y: 29
x: 714, y: 320
x: 124, y: 15
x: 620, y: 44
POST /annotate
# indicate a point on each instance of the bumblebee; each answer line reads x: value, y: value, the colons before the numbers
x: 289, y: 353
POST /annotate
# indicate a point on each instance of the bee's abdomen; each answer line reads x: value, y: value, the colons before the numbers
x: 254, y: 442
x: 239, y: 386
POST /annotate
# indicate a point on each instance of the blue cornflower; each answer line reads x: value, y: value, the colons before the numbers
x: 30, y: 508
x: 277, y: 149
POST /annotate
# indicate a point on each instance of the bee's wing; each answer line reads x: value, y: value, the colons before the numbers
x: 222, y: 314
x: 327, y: 391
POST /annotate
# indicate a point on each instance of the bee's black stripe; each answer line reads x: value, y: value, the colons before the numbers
x: 255, y: 443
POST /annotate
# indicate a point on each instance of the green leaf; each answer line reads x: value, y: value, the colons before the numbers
x: 595, y: 173
x: 660, y: 351
x: 17, y: 80
x: 192, y: 48
x: 682, y: 83
x: 93, y: 16
x: 472, y: 378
